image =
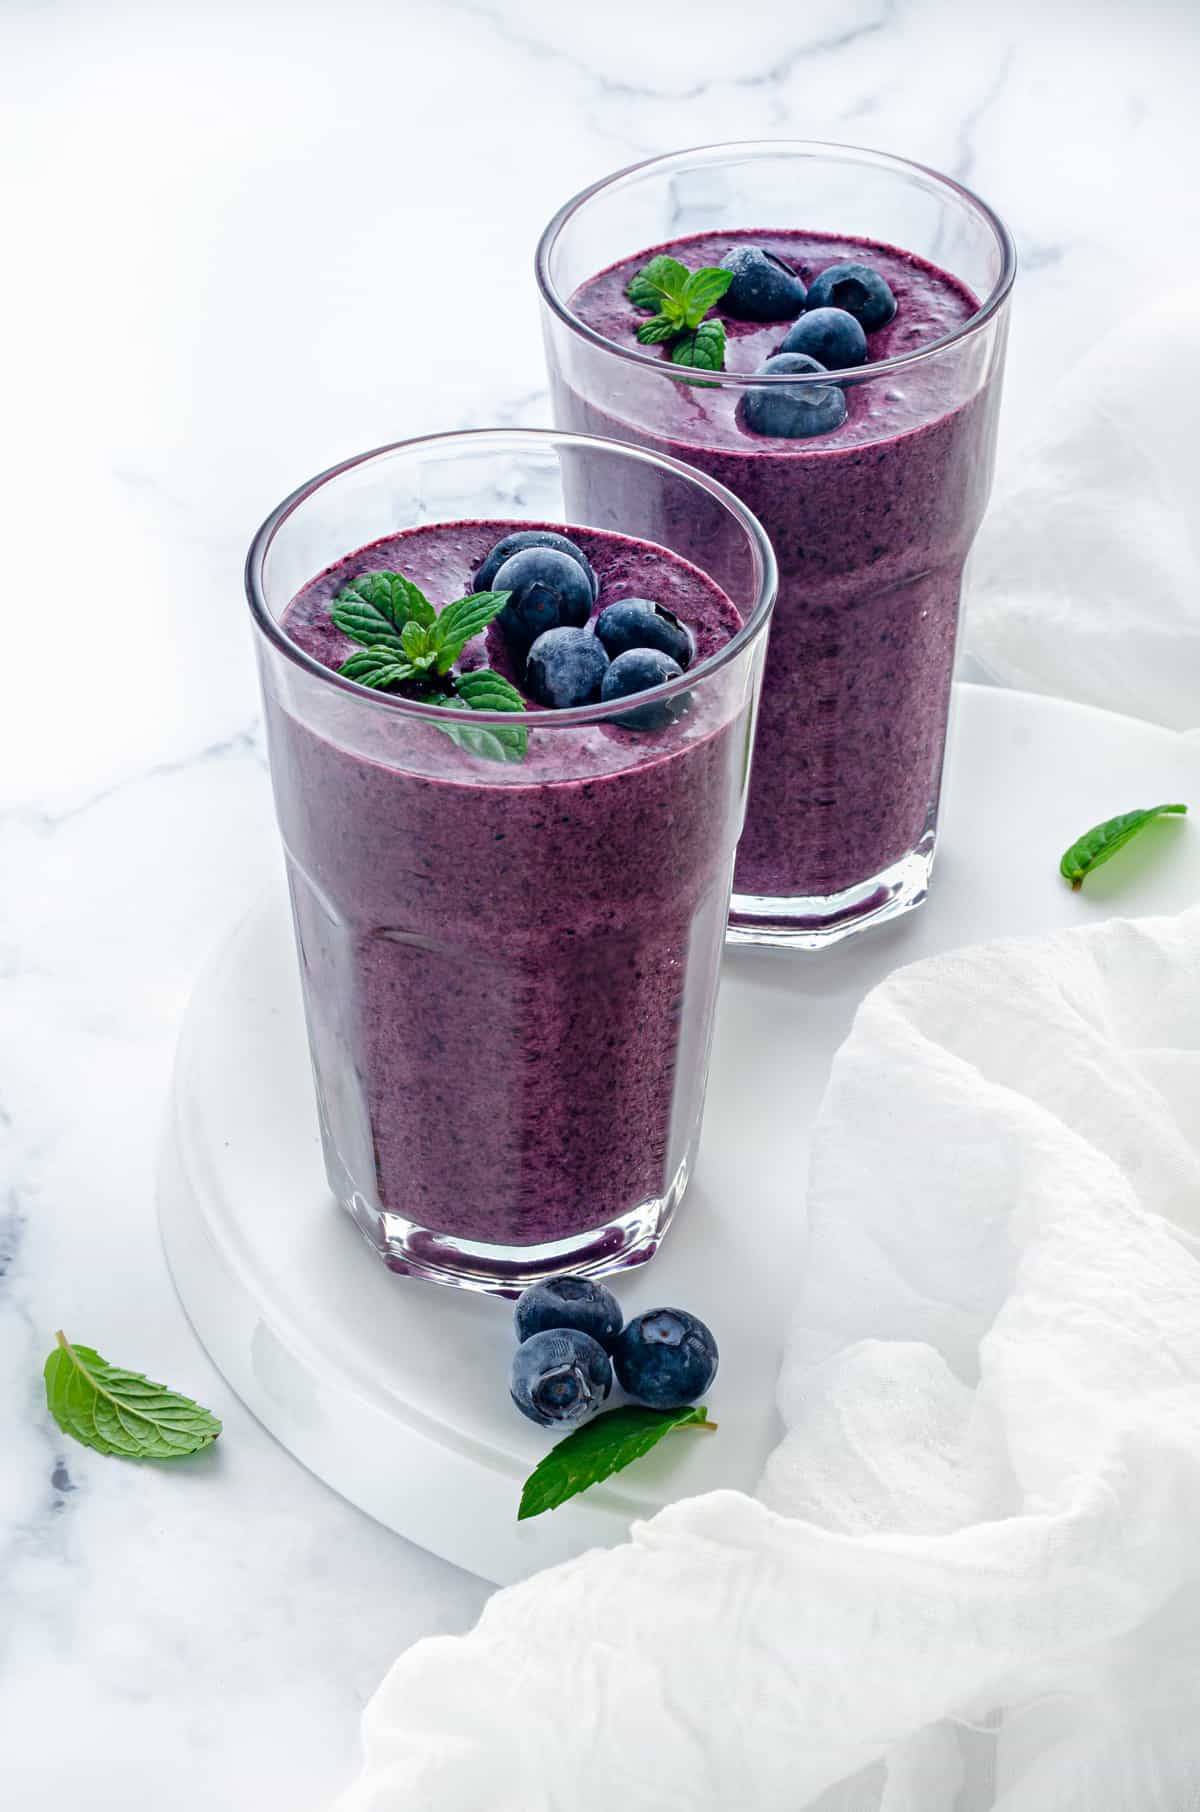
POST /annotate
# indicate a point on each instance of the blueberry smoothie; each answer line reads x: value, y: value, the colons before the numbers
x: 510, y: 955
x: 871, y: 488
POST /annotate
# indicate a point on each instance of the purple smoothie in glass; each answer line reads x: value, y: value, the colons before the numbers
x: 871, y: 525
x: 509, y: 975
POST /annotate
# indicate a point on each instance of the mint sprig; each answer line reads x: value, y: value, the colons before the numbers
x: 404, y: 639
x: 120, y: 1412
x: 680, y: 299
x: 603, y: 1446
x: 1103, y: 841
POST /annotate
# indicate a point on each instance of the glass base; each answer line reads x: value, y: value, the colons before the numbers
x: 819, y: 920
x: 415, y: 1251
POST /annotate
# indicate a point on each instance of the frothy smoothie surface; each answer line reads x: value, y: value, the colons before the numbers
x: 509, y: 968
x: 871, y: 523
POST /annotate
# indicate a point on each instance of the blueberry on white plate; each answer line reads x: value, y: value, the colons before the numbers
x: 560, y: 1377
x: 666, y: 1358
x: 569, y: 1302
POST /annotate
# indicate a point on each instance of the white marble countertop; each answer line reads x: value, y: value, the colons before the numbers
x: 226, y: 227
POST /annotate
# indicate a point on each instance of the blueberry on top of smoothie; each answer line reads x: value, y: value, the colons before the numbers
x: 637, y: 671
x: 666, y: 1358
x: 858, y: 289
x: 830, y: 335
x: 549, y: 590
x: 764, y: 288
x: 560, y: 1377
x: 522, y: 538
x: 640, y: 623
x: 569, y: 1302
x: 565, y: 668
x: 792, y: 414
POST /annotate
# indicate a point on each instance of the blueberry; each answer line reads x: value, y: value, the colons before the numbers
x: 560, y: 1376
x: 636, y: 671
x: 549, y: 591
x: 569, y: 1302
x: 666, y: 1358
x: 829, y: 335
x: 764, y: 288
x: 512, y: 544
x: 637, y: 623
x: 792, y: 414
x: 858, y: 289
x: 565, y: 667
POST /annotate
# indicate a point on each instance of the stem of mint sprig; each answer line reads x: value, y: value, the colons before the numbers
x: 405, y: 641
x: 680, y: 299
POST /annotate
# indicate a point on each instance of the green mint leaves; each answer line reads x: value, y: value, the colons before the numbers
x: 680, y: 300
x: 601, y: 1447
x: 405, y: 639
x: 121, y: 1412
x: 1104, y: 840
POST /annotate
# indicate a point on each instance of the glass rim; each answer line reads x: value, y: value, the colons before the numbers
x: 742, y: 380
x: 766, y: 579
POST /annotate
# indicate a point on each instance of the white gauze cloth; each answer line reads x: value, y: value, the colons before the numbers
x: 971, y: 1577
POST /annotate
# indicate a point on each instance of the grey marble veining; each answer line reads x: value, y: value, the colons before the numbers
x: 234, y: 227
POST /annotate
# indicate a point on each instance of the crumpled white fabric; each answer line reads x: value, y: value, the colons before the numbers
x: 971, y: 1577
x: 988, y: 1500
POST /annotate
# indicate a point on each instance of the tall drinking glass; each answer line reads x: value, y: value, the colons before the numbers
x: 871, y: 521
x: 509, y: 957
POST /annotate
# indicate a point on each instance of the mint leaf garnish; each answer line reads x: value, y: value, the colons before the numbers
x: 374, y: 608
x: 702, y: 291
x: 406, y: 639
x: 657, y: 329
x: 1097, y: 845
x: 460, y: 622
x: 703, y: 348
x: 662, y: 277
x: 122, y: 1412
x: 380, y: 666
x: 681, y: 299
x: 607, y: 1444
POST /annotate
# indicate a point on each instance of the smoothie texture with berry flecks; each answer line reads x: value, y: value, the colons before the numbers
x: 871, y: 524
x: 509, y: 968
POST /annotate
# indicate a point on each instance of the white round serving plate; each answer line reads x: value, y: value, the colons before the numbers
x: 395, y: 1391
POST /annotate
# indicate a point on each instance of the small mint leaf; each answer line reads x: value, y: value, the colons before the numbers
x: 1104, y: 840
x: 704, y: 347
x: 120, y: 1412
x: 379, y: 667
x: 607, y: 1444
x: 657, y: 329
x: 487, y: 690
x: 374, y: 608
x: 415, y: 640
x: 663, y: 277
x: 701, y: 291
x: 461, y: 622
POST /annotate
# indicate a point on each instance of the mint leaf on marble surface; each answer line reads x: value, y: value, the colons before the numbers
x: 120, y: 1412
x: 1097, y: 845
x: 607, y: 1444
